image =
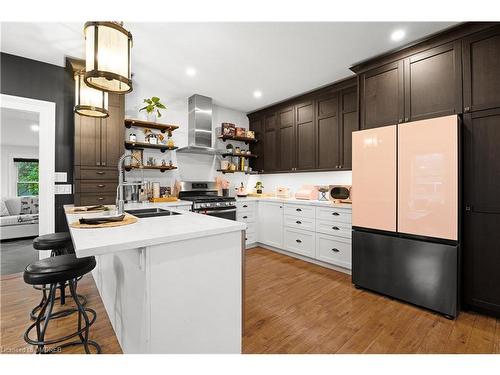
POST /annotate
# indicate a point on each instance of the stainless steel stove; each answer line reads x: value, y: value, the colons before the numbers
x: 205, y: 200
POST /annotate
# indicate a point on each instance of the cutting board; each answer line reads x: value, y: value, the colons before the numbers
x: 129, y: 219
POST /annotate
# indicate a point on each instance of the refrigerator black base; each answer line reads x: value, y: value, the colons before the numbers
x: 419, y: 272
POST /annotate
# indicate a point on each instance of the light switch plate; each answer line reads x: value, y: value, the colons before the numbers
x: 61, y: 177
x: 63, y: 189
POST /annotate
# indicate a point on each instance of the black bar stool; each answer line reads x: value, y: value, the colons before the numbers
x: 55, y: 271
x: 59, y: 244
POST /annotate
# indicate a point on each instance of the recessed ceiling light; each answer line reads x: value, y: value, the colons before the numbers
x: 191, y: 72
x: 257, y: 94
x: 34, y: 128
x: 397, y: 35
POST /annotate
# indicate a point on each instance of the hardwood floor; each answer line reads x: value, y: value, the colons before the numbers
x: 291, y: 307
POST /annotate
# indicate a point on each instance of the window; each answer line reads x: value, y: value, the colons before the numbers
x: 27, y: 176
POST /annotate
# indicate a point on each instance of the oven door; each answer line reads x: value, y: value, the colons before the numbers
x: 225, y: 213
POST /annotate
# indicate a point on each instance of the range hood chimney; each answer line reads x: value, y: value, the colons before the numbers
x: 200, y: 127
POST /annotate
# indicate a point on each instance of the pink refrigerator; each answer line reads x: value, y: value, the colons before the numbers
x: 405, y: 212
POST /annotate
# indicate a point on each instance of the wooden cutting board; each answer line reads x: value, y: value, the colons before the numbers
x: 129, y: 219
x: 81, y: 210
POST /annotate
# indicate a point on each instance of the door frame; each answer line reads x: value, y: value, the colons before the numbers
x: 46, y: 154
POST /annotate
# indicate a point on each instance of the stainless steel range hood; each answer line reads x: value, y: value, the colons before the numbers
x: 200, y: 127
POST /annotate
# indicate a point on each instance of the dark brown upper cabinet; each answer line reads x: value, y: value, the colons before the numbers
x: 349, y: 124
x: 382, y: 96
x: 328, y: 131
x: 481, y: 59
x: 305, y: 136
x: 433, y: 83
x: 270, y: 143
x: 87, y: 141
x: 112, y: 132
x: 286, y: 121
x: 257, y: 125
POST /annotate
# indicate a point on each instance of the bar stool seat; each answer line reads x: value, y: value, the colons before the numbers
x: 56, y: 271
x: 53, y: 241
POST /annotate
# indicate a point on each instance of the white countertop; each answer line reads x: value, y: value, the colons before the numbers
x: 297, y: 201
x: 147, y: 231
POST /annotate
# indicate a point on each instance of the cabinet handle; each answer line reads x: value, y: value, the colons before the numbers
x: 245, y: 217
x: 298, y: 241
x: 335, y: 228
x: 245, y: 206
x: 467, y: 109
x: 100, y: 199
x: 100, y: 172
x: 335, y: 214
x: 101, y: 185
x: 298, y: 209
x: 299, y: 222
x: 335, y: 250
x: 281, y: 206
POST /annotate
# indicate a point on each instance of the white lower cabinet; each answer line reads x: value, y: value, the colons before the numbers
x: 246, y: 212
x: 300, y: 242
x: 270, y: 223
x: 334, y: 250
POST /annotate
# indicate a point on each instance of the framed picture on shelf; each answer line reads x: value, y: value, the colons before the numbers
x: 241, y: 132
x: 228, y: 129
x: 139, y: 155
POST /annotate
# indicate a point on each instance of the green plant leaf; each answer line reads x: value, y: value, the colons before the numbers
x: 155, y: 99
x: 159, y: 114
x: 159, y: 105
x: 143, y: 108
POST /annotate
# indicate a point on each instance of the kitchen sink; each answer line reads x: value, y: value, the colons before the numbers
x: 151, y: 212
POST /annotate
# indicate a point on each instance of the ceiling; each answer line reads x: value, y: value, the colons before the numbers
x: 232, y: 60
x: 15, y: 128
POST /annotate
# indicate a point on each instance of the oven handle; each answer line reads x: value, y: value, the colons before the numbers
x: 219, y: 211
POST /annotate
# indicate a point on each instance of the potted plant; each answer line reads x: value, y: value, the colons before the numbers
x: 152, y: 108
x: 258, y: 187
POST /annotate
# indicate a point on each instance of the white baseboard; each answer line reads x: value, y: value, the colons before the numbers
x: 301, y: 257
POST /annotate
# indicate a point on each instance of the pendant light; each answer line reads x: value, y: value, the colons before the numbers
x: 107, y: 57
x: 89, y: 101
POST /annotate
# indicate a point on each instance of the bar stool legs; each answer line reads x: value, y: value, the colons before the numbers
x: 45, y: 315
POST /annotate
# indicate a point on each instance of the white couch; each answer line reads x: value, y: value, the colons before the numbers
x: 19, y: 217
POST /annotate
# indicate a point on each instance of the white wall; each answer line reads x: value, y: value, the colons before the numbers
x: 295, y: 180
x: 190, y: 166
x: 8, y: 153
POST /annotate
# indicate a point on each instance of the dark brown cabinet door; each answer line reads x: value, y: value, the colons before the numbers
x: 256, y: 124
x: 481, y: 237
x: 381, y: 91
x: 286, y: 122
x: 349, y: 123
x: 328, y: 131
x: 112, y: 132
x: 306, y: 136
x: 433, y: 83
x: 87, y: 141
x: 481, y: 59
x: 270, y: 143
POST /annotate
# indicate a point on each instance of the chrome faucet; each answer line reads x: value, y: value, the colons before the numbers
x: 120, y: 203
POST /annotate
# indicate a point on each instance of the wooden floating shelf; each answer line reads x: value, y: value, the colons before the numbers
x: 151, y: 167
x: 147, y: 124
x: 224, y: 171
x: 241, y: 139
x: 141, y: 145
x: 246, y: 156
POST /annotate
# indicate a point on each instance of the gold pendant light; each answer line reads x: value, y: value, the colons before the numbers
x: 89, y: 101
x: 107, y: 57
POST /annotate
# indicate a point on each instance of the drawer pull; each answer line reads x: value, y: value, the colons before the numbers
x: 245, y: 206
x: 335, y: 214
x: 298, y: 209
x: 299, y: 222
x: 298, y: 241
x: 100, y: 198
x: 335, y: 250
x: 99, y: 172
x: 245, y: 217
x: 101, y: 185
x: 335, y: 228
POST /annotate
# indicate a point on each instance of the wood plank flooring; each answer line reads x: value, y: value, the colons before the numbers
x: 291, y: 306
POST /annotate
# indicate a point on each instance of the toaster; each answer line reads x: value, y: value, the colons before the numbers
x: 340, y: 193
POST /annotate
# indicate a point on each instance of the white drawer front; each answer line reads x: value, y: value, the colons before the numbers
x: 245, y: 206
x: 250, y: 237
x: 341, y: 215
x: 299, y: 222
x: 334, y: 229
x: 299, y: 210
x: 333, y: 250
x: 300, y: 242
x: 246, y: 216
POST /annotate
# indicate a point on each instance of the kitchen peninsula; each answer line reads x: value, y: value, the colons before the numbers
x: 170, y: 284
